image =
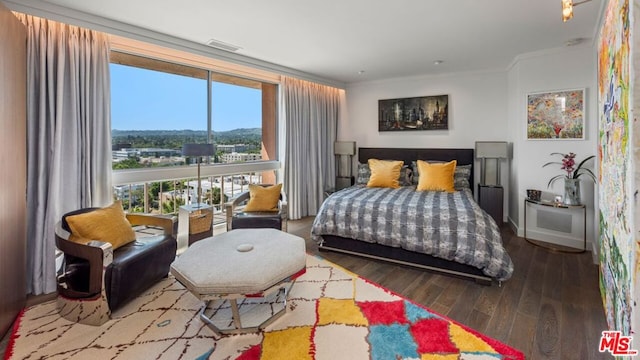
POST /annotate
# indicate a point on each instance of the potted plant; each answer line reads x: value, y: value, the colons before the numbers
x: 572, y: 176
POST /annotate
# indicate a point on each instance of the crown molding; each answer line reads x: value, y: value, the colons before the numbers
x: 78, y: 18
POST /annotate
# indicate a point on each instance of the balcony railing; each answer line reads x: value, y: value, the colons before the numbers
x: 163, y: 191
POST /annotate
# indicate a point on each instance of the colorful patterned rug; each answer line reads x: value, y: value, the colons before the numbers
x: 331, y: 314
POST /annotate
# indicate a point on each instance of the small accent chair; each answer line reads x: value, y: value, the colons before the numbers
x: 238, y: 218
x: 95, y: 279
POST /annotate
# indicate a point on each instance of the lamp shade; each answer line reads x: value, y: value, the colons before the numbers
x: 344, y: 148
x: 492, y: 149
x: 197, y: 149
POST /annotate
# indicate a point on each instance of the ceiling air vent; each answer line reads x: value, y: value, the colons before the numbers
x: 222, y: 45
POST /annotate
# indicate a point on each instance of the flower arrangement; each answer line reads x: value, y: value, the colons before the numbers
x: 568, y: 165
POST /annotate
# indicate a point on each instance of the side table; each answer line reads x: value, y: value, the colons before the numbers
x: 490, y: 198
x: 558, y: 206
x: 195, y: 222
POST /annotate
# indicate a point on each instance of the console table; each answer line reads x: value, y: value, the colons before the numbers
x: 557, y: 206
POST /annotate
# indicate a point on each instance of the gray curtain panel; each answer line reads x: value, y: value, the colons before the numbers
x: 68, y: 135
x: 311, y: 111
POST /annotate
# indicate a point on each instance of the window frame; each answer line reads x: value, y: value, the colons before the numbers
x: 172, y: 64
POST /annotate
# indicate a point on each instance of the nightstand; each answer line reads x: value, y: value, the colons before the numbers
x: 490, y: 199
x: 329, y: 191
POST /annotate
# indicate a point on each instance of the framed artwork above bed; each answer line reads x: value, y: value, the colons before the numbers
x: 415, y: 113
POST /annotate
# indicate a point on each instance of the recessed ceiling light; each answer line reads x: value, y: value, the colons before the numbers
x: 361, y: 72
x: 438, y: 62
x: 223, y: 45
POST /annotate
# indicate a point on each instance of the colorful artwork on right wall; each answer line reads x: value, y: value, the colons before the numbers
x: 618, y: 250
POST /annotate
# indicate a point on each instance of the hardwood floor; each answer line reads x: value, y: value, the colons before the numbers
x: 550, y: 309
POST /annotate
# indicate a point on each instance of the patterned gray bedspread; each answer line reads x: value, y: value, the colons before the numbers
x: 447, y: 225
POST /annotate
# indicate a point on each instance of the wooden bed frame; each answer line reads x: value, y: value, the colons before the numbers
x: 399, y: 255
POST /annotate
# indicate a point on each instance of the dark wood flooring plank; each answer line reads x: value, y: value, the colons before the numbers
x: 529, y: 303
x: 504, y: 315
x: 520, y: 255
x: 452, y: 292
x: 487, y: 302
x: 477, y: 320
x: 426, y: 296
x: 523, y: 333
x: 572, y: 347
x: 552, y: 286
x: 547, y: 343
x: 571, y: 269
x: 463, y: 306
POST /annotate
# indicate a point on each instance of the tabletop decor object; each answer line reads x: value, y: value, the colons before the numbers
x: 572, y: 176
x: 534, y: 194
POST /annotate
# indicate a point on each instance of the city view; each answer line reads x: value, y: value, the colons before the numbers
x: 138, y: 149
x: 154, y: 113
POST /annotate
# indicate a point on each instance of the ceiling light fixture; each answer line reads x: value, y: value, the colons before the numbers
x: 222, y: 45
x: 438, y: 62
x: 567, y: 8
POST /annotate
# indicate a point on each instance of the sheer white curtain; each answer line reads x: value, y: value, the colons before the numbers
x: 68, y: 134
x: 311, y: 111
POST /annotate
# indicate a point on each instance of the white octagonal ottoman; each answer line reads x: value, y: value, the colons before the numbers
x: 243, y: 276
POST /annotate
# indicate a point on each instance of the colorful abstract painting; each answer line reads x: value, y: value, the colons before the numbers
x: 556, y: 115
x: 617, y: 248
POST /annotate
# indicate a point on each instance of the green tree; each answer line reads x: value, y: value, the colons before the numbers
x: 131, y: 163
x: 172, y: 204
x: 154, y: 188
x: 215, y: 196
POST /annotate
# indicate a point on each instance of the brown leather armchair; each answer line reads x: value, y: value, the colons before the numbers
x: 122, y: 274
x: 237, y: 218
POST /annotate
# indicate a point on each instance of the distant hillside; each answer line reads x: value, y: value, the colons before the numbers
x: 234, y: 132
x: 173, y: 139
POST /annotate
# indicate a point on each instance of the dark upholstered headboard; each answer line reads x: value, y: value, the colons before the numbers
x: 463, y: 156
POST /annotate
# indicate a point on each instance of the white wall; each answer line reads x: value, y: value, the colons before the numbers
x: 568, y: 68
x: 488, y: 106
x: 477, y: 111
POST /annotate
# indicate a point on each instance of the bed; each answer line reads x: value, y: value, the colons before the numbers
x: 444, y: 232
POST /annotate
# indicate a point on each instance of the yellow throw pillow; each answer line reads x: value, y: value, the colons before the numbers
x: 108, y: 224
x: 436, y: 176
x: 384, y: 173
x: 263, y: 198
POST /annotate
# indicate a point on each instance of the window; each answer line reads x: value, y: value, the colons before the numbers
x: 157, y: 106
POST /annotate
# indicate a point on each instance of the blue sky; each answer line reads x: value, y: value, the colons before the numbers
x: 151, y: 100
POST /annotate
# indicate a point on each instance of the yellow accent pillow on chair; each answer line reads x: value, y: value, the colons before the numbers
x: 436, y: 176
x: 263, y: 198
x: 385, y: 173
x: 108, y: 224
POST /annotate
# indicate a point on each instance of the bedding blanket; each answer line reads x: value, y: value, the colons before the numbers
x: 451, y: 226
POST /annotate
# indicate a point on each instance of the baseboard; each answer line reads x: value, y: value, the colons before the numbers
x: 557, y: 239
x: 513, y: 226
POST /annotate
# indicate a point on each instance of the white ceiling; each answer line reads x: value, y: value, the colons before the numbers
x: 335, y: 39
